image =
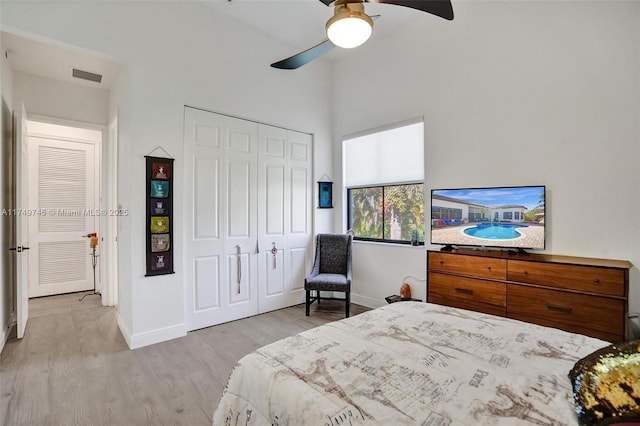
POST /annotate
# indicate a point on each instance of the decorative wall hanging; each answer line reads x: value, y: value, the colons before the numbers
x: 325, y: 192
x: 159, y: 217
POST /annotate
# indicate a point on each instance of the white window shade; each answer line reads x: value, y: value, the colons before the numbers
x: 390, y: 156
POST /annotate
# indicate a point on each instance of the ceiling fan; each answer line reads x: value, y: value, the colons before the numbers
x: 350, y: 26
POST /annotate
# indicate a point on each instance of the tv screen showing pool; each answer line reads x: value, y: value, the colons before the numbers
x: 507, y: 217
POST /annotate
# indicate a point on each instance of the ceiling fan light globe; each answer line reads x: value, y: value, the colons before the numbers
x: 349, y: 30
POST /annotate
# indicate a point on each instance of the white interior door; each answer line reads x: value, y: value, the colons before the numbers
x: 63, y: 197
x: 220, y: 190
x: 22, y: 256
x: 284, y: 222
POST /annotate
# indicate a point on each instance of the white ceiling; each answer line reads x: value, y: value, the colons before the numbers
x: 299, y: 24
x: 55, y: 61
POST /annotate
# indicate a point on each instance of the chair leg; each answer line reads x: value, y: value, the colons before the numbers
x: 308, y: 302
x: 347, y: 302
x: 318, y: 293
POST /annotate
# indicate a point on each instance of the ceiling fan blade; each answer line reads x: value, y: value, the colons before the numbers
x: 302, y: 58
x: 441, y: 8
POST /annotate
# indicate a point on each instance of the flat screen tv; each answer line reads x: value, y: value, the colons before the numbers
x: 506, y: 217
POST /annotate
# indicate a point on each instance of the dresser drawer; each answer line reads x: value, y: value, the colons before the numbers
x: 575, y: 277
x: 476, y: 266
x: 577, y: 310
x: 468, y: 293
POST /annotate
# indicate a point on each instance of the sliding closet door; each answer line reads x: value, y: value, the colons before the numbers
x: 220, y: 218
x: 284, y: 222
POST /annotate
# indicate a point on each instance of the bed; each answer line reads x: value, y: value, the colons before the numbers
x: 409, y: 363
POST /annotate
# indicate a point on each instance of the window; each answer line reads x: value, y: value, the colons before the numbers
x: 384, y: 179
x: 446, y: 213
x: 475, y: 216
x: 507, y: 215
x: 387, y: 213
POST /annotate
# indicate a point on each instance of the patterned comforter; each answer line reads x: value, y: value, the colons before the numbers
x: 409, y: 363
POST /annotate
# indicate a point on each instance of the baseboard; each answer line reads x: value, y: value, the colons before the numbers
x: 135, y: 341
x: 124, y: 330
x: 367, y: 301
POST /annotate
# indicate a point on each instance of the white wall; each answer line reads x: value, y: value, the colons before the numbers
x: 378, y: 272
x: 53, y: 98
x: 120, y: 107
x: 7, y: 292
x: 513, y: 93
x: 177, y: 53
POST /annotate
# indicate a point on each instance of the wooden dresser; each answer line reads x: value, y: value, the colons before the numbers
x: 577, y: 294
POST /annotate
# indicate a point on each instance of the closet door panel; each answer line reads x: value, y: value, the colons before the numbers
x: 300, y: 225
x: 285, y: 235
x: 220, y: 218
x: 241, y: 211
x: 206, y: 207
x: 275, y: 196
x: 206, y: 283
x: 238, y: 204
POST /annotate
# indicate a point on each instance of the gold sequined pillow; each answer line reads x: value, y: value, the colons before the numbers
x: 606, y: 385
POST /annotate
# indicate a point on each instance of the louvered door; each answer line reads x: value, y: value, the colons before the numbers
x: 63, y: 209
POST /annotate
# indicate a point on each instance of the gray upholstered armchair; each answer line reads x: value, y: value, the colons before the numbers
x: 331, y: 268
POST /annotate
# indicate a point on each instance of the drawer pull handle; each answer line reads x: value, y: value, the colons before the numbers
x: 464, y: 290
x: 489, y: 268
x: 525, y: 272
x: 558, y: 308
x: 597, y: 281
x: 441, y: 262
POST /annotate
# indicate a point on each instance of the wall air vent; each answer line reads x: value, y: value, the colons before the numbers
x: 86, y: 75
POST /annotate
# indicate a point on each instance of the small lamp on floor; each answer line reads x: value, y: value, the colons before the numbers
x: 93, y: 242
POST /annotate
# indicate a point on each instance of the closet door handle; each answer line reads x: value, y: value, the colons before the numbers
x: 274, y: 255
x: 239, y: 265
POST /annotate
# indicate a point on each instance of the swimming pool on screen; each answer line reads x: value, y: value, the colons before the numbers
x: 495, y: 231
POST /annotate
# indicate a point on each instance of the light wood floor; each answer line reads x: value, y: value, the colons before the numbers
x: 74, y: 368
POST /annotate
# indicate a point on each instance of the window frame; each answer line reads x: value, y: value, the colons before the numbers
x: 383, y: 186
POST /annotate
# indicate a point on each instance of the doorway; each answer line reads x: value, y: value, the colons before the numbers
x: 58, y: 97
x: 63, y: 207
